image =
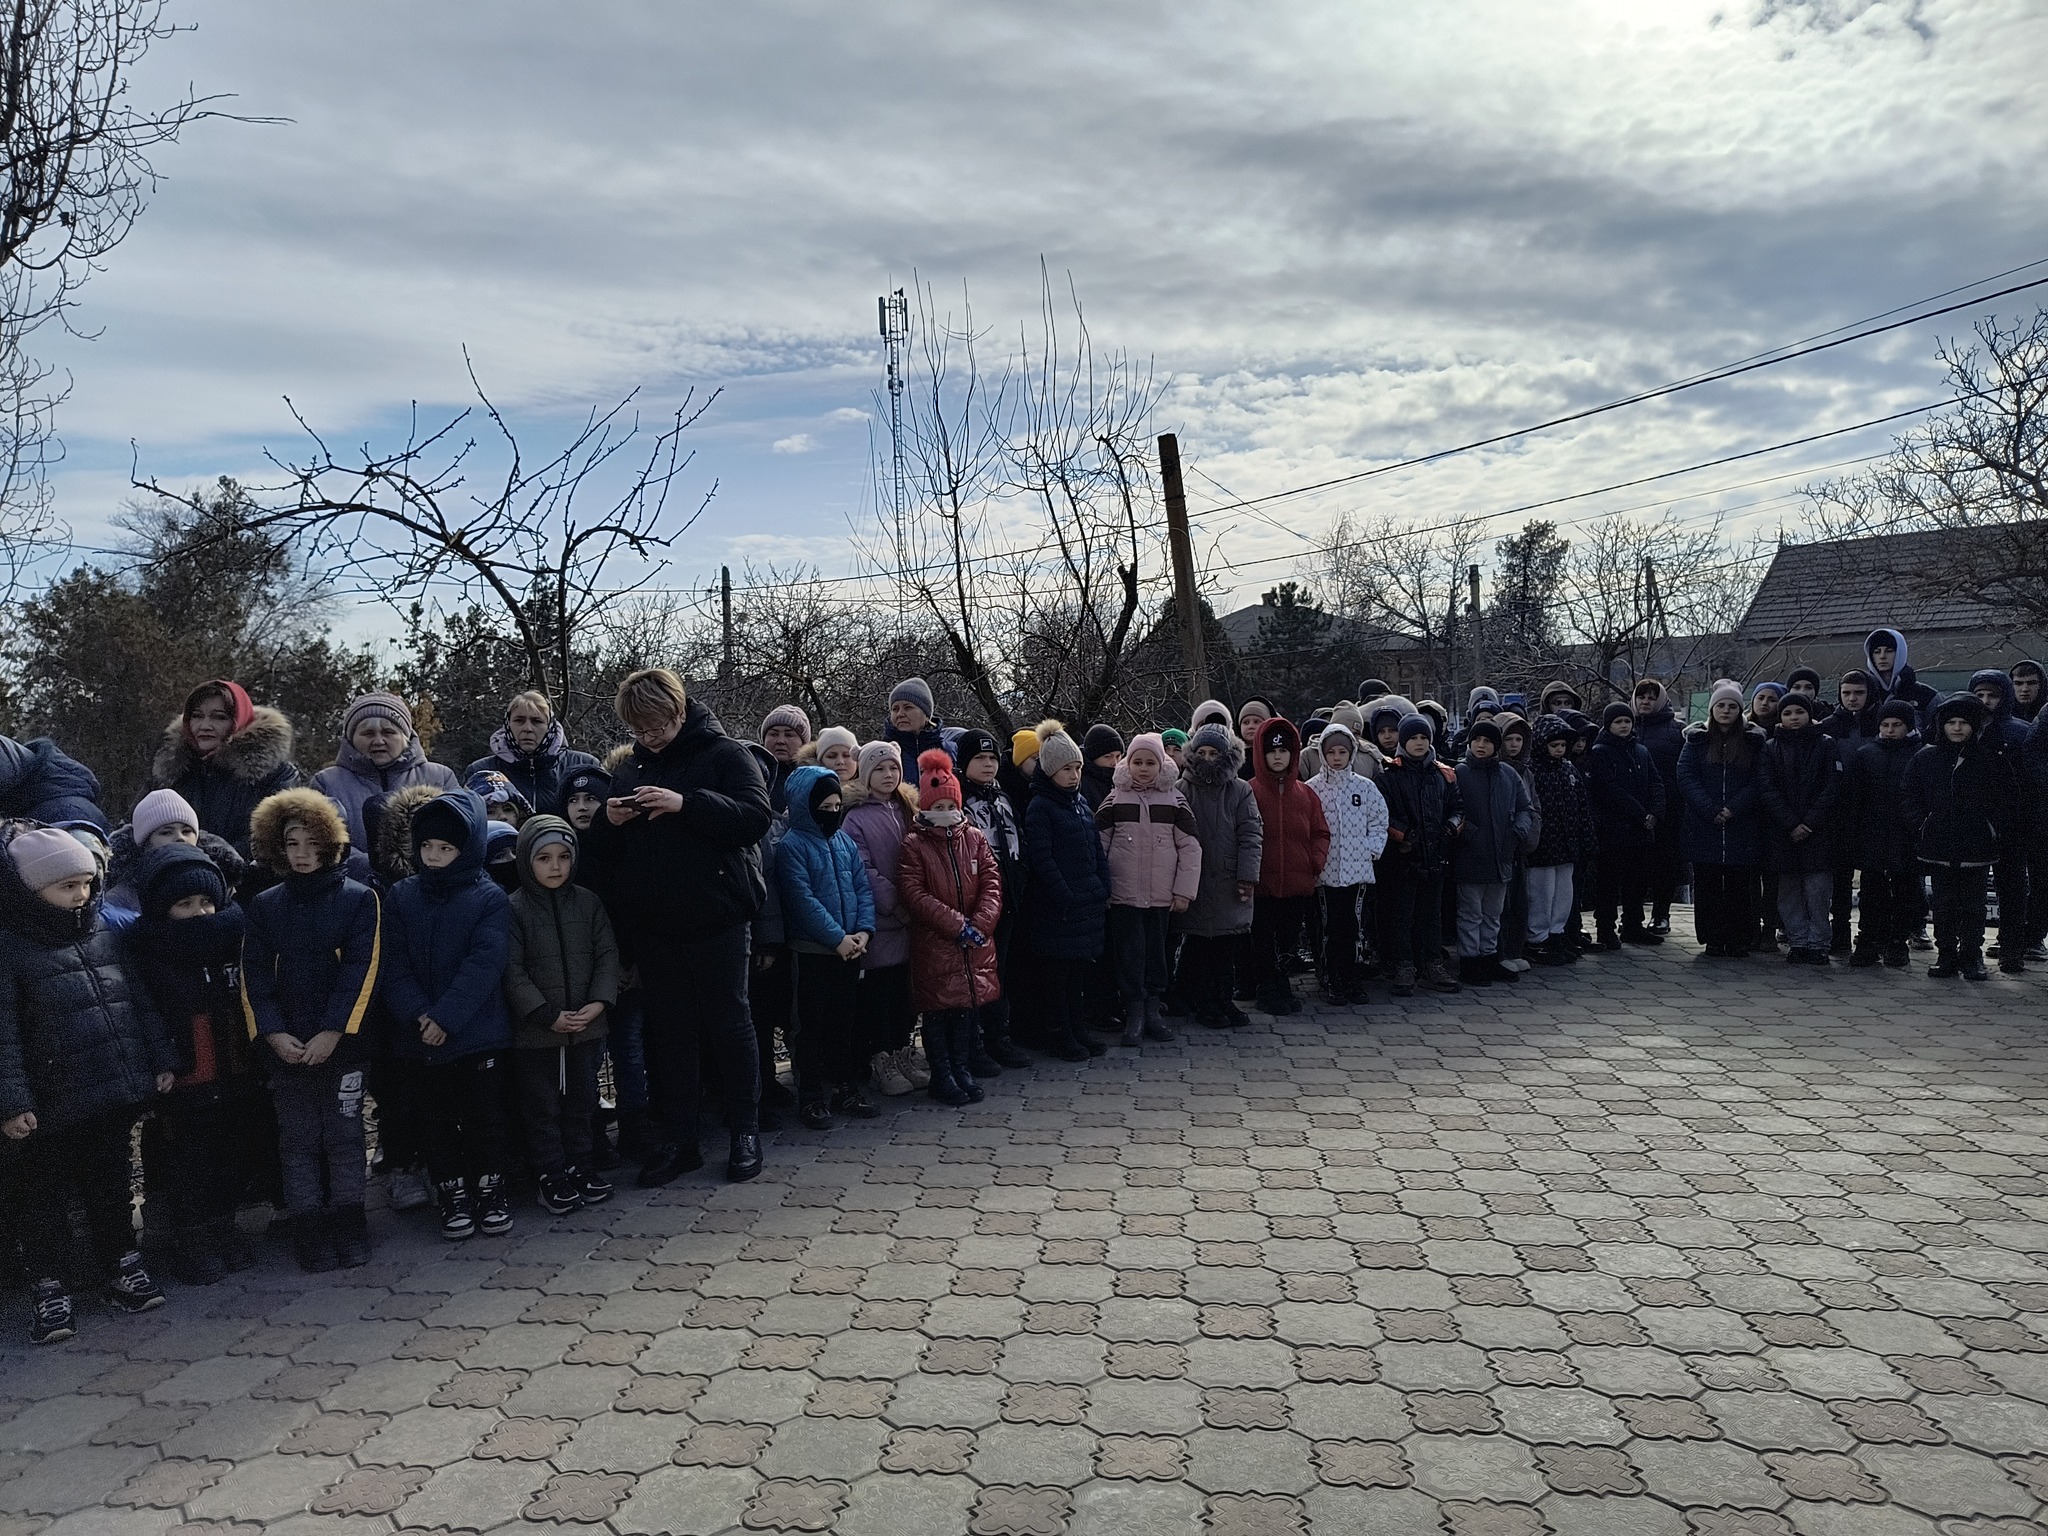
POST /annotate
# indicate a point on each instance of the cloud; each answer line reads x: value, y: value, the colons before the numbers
x: 800, y: 442
x: 847, y: 413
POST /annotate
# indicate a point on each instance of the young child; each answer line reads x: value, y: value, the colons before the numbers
x: 1423, y: 817
x: 188, y: 947
x: 583, y: 796
x: 989, y: 807
x: 1628, y: 804
x: 1101, y: 750
x: 1960, y: 798
x: 1356, y: 814
x: 828, y: 917
x: 1566, y: 835
x: 1499, y: 821
x: 311, y: 963
x: 1232, y: 839
x: 449, y: 935
x: 1515, y: 742
x: 501, y: 855
x: 879, y: 808
x: 1297, y: 845
x: 839, y: 750
x: 561, y: 983
x: 953, y: 897
x: 1883, y: 836
x: 82, y: 1053
x: 1069, y: 894
x: 1155, y: 869
x: 1800, y: 780
x: 502, y: 801
x: 1175, y: 741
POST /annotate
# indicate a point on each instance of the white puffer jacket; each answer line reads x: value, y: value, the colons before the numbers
x: 1357, y: 814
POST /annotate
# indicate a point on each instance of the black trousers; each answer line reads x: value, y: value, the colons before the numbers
x: 1207, y: 973
x: 1841, y: 906
x: 2010, y: 880
x: 193, y: 1150
x: 1623, y: 883
x: 1341, y: 969
x: 1724, y: 905
x: 1767, y: 903
x: 771, y: 1001
x: 826, y: 1049
x: 1276, y: 932
x: 88, y: 1160
x: 995, y: 1016
x: 1137, y: 945
x: 1665, y: 868
x: 884, y: 1011
x: 465, y: 1120
x: 1959, y: 909
x: 557, y: 1091
x: 2037, y: 889
x: 1414, y: 903
x: 1891, y: 902
x: 1064, y: 996
x: 696, y: 1000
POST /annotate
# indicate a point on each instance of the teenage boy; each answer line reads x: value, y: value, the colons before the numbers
x: 1800, y: 782
x: 1499, y: 821
x: 1628, y: 801
x: 1657, y: 728
x: 1959, y: 797
x: 1424, y: 814
x: 1883, y: 836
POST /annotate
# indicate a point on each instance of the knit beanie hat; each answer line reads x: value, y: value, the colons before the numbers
x: 1800, y: 675
x: 1313, y: 727
x: 1615, y: 711
x: 1776, y: 690
x: 1725, y: 691
x: 1797, y: 701
x: 169, y: 875
x: 1149, y: 741
x: 1484, y: 730
x: 44, y: 855
x: 973, y: 742
x: 1551, y: 728
x: 1212, y: 710
x: 1056, y: 751
x: 915, y: 690
x: 874, y: 754
x: 1373, y: 688
x: 159, y: 808
x: 586, y: 781
x: 837, y: 736
x: 377, y: 706
x: 1173, y: 736
x: 789, y: 715
x: 1099, y: 740
x: 1899, y: 709
x: 1216, y: 736
x: 936, y: 785
x: 1023, y: 747
x: 1413, y: 726
x: 1480, y: 698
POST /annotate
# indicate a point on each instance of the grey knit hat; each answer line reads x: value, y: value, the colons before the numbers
x: 789, y: 715
x: 915, y: 690
x: 1055, y: 752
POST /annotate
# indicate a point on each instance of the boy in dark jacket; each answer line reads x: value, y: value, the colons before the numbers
x: 1628, y: 803
x: 82, y: 1052
x: 188, y: 947
x: 1882, y: 840
x: 1499, y: 821
x: 1564, y: 812
x: 1424, y: 813
x: 1800, y: 779
x: 450, y: 934
x: 1069, y: 900
x: 1658, y: 730
x: 828, y: 918
x: 561, y: 983
x: 1884, y: 656
x: 1959, y: 798
x: 2004, y: 732
x: 990, y: 808
x: 310, y: 965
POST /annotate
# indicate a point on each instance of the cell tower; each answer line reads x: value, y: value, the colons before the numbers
x: 894, y: 310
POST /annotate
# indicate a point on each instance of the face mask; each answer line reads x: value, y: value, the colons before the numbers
x: 944, y: 816
x: 828, y: 821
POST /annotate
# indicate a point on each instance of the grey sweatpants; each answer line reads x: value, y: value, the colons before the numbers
x: 1550, y: 900
x: 1803, y: 908
x: 1479, y: 909
x: 319, y: 1134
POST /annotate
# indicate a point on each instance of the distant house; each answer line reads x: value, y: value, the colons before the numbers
x: 1819, y: 601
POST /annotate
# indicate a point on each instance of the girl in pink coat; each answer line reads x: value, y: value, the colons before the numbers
x: 1155, y: 869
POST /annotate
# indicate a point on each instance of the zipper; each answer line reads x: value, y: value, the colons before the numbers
x: 960, y: 899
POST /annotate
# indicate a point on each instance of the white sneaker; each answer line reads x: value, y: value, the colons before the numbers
x: 889, y: 1078
x: 407, y: 1190
x: 911, y: 1063
x: 1517, y: 965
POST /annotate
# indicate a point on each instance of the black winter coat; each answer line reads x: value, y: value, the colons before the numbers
x: 696, y: 874
x: 1961, y: 801
x: 1626, y: 788
x: 1802, y: 781
x: 1424, y: 808
x: 311, y: 959
x: 79, y: 1035
x: 192, y: 967
x: 1564, y: 807
x: 1706, y: 788
x: 1660, y: 735
x: 1882, y: 831
x: 1068, y: 902
x: 536, y: 775
x: 225, y: 789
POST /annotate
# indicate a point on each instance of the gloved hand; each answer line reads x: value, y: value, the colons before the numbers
x: 971, y: 937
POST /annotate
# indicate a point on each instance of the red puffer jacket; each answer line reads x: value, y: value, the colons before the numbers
x: 947, y: 878
x: 1297, y: 832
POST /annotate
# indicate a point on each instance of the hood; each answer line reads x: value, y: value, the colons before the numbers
x: 1333, y: 732
x: 1900, y: 665
x: 617, y: 757
x: 458, y: 817
x: 393, y: 851
x: 346, y: 756
x: 1558, y: 686
x: 1663, y: 699
x: 179, y: 868
x: 553, y: 743
x: 251, y: 755
x: 1225, y: 769
x: 22, y: 910
x: 1276, y: 733
x: 321, y: 816
x: 1480, y: 698
x: 2001, y: 680
x: 530, y: 833
x: 1966, y: 705
x: 1549, y: 728
x: 798, y: 792
x: 1169, y: 775
x: 774, y: 773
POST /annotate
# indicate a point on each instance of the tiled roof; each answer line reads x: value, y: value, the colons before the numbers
x: 1849, y: 587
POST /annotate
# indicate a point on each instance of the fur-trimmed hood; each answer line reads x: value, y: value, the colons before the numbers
x: 856, y: 792
x: 315, y: 810
x: 393, y: 854
x: 250, y: 755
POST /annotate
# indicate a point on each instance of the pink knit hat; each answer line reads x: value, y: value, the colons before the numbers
x: 159, y: 808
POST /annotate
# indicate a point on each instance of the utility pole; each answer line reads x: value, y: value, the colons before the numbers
x: 893, y: 310
x: 1472, y: 618
x: 725, y: 605
x: 1185, y: 598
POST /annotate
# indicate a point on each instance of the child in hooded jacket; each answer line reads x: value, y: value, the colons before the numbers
x: 1565, y: 836
x: 1155, y: 871
x: 1069, y: 895
x: 1297, y: 845
x: 1959, y: 795
x: 561, y: 983
x: 879, y: 805
x: 1227, y: 826
x: 1356, y: 813
x: 1424, y: 814
x: 1500, y: 822
x: 828, y: 918
x: 1800, y: 779
x: 953, y: 896
x: 989, y: 806
x: 450, y: 934
x: 82, y: 1053
x: 1882, y: 836
x: 1628, y: 805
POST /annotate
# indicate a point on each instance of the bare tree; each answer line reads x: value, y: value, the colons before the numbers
x: 1640, y: 596
x: 1409, y: 583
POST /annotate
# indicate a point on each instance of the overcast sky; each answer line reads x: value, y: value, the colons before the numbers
x: 1348, y: 232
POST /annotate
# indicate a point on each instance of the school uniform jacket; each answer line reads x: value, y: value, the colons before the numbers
x: 312, y: 959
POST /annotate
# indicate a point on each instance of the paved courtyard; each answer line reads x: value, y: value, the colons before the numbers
x: 1661, y: 1245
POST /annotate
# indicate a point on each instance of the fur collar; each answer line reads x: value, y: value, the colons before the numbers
x: 392, y: 856
x: 250, y: 755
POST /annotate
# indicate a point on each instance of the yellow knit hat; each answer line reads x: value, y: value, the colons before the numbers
x: 1023, y: 747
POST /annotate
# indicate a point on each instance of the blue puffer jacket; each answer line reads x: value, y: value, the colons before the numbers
x: 310, y: 959
x: 38, y: 782
x: 449, y: 936
x: 1707, y: 787
x: 1069, y: 874
x: 824, y: 890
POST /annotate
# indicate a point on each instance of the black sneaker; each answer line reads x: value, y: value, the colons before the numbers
x: 458, y: 1211
x: 816, y: 1115
x: 50, y: 1320
x: 349, y: 1228
x: 852, y: 1103
x: 595, y: 1190
x: 1896, y: 958
x: 1944, y: 969
x: 131, y: 1289
x: 493, y: 1210
x: 560, y: 1192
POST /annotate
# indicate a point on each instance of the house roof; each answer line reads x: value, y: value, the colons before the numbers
x: 1848, y: 587
x: 1241, y: 625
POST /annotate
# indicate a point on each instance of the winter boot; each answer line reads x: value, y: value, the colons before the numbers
x: 1404, y: 980
x: 458, y: 1211
x: 132, y: 1289
x: 493, y: 1209
x: 636, y: 1134
x: 1438, y: 979
x: 977, y: 1059
x: 960, y: 1047
x: 1607, y: 939
x: 890, y: 1078
x: 349, y: 1227
x: 193, y: 1257
x: 995, y: 1037
x: 1862, y: 957
x: 1473, y: 971
x: 236, y: 1253
x: 1134, y: 1024
x: 1945, y: 967
x: 312, y: 1244
x: 1972, y: 962
x: 945, y: 1088
x: 1897, y: 957
x: 1156, y: 1027
x: 50, y: 1318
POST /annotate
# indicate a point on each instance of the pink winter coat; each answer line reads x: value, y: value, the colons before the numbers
x: 1154, y: 855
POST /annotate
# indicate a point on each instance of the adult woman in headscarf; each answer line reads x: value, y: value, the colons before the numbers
x: 380, y: 753
x: 225, y: 754
x: 532, y: 750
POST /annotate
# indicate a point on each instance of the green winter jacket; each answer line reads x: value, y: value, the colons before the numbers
x: 563, y: 952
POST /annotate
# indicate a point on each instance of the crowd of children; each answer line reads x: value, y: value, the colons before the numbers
x: 260, y: 969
